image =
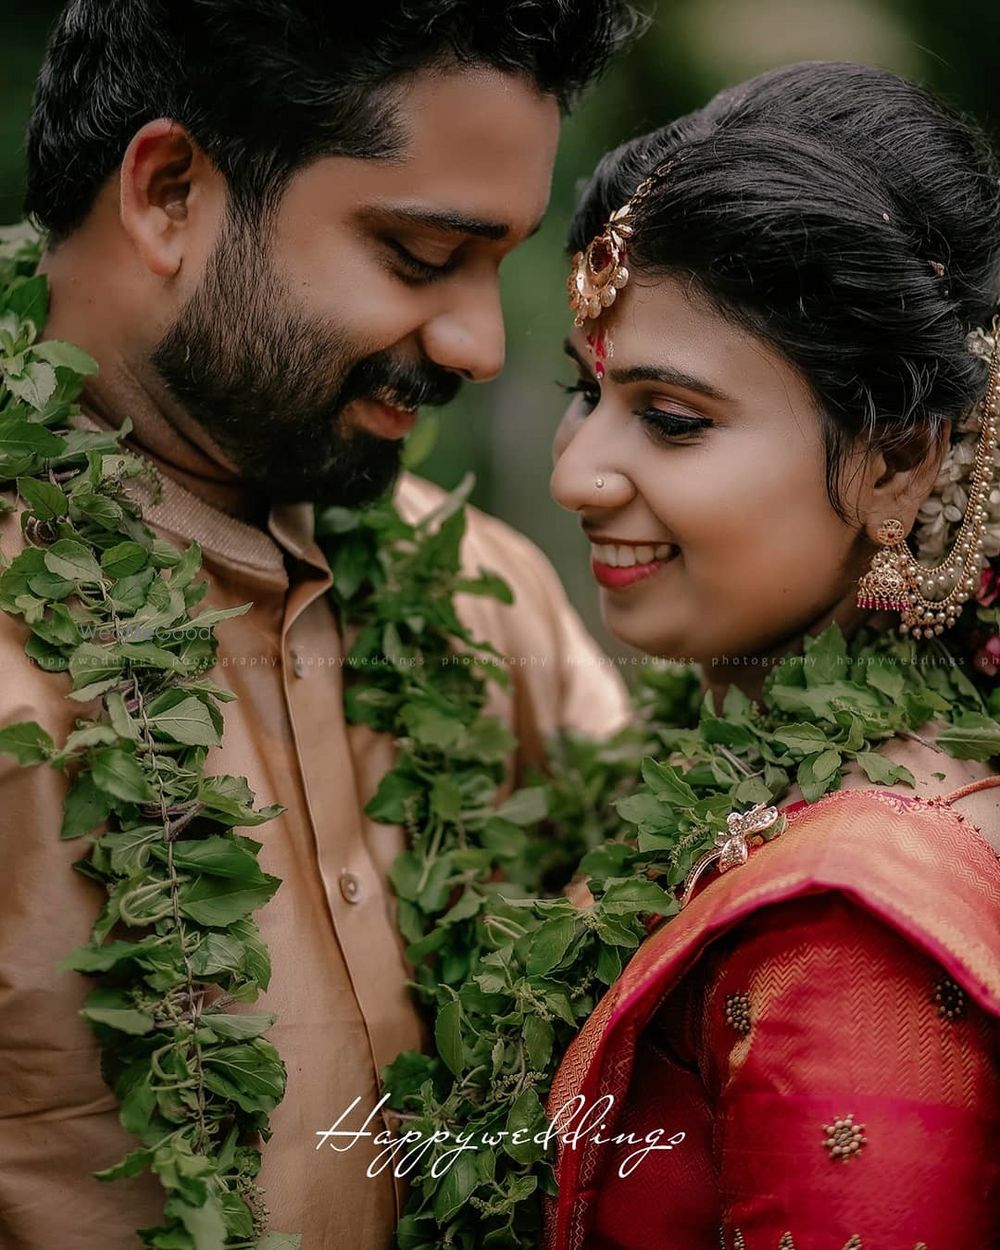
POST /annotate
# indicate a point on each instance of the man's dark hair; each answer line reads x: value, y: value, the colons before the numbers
x: 265, y: 86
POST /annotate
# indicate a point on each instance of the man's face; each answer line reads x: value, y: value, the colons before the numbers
x: 373, y: 290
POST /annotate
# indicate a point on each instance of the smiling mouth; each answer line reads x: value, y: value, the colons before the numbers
x: 619, y: 565
x: 384, y: 420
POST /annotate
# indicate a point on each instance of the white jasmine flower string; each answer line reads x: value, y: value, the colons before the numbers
x: 940, y: 515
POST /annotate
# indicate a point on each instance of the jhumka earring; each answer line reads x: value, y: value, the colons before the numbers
x: 600, y: 271
x: 929, y: 600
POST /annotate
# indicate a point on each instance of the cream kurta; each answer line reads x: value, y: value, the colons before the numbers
x: 338, y: 981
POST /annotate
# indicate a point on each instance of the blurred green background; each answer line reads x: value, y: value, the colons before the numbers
x: 503, y: 430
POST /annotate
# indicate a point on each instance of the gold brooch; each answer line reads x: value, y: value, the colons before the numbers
x: 732, y: 845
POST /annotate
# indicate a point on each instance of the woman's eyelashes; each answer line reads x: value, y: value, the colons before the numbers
x: 589, y: 392
x: 658, y: 421
x: 671, y: 425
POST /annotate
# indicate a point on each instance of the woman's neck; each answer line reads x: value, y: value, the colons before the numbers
x: 749, y: 673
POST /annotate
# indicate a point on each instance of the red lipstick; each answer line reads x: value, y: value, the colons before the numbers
x: 618, y: 579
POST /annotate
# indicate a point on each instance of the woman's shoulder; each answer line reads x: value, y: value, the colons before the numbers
x: 936, y: 775
x: 912, y: 867
x: 895, y: 862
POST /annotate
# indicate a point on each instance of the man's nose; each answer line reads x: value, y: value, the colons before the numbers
x: 467, y: 334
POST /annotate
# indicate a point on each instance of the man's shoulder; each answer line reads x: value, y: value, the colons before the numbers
x: 11, y: 536
x: 27, y: 692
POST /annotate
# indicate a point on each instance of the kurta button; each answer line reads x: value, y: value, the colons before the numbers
x: 298, y: 667
x: 350, y: 887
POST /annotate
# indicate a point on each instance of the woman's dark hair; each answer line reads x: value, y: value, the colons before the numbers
x: 265, y: 86
x: 843, y: 215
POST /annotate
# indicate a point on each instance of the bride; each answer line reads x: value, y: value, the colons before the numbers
x: 786, y: 416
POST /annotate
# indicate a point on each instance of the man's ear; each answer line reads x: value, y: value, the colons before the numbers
x: 163, y: 181
x: 901, y: 479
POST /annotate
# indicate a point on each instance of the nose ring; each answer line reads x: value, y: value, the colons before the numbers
x: 599, y: 483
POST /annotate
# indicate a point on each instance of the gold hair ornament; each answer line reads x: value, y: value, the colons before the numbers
x: 600, y: 271
x: 930, y: 599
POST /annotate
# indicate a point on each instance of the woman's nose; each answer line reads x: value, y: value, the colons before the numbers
x: 578, y: 483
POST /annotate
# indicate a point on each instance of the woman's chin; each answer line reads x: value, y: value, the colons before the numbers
x: 652, y: 640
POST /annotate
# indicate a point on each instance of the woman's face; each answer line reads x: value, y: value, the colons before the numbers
x: 713, y: 538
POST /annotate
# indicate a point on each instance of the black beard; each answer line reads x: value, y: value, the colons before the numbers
x: 270, y: 386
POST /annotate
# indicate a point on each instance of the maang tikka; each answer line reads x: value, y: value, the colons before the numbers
x: 929, y: 600
x: 600, y: 271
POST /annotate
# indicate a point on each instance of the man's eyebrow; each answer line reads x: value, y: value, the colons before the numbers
x: 575, y: 356
x: 453, y: 222
x: 655, y: 373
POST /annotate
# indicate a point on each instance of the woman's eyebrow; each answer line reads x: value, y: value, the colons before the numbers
x: 654, y: 373
x: 670, y: 375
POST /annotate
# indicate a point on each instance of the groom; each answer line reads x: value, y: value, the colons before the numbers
x: 277, y: 227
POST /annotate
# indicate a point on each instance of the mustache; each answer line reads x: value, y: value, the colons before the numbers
x: 400, y: 383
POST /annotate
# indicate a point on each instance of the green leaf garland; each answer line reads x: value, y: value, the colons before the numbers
x: 507, y: 967
x: 175, y: 941
x: 638, y: 811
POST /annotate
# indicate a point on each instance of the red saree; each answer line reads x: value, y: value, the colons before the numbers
x: 821, y: 1024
